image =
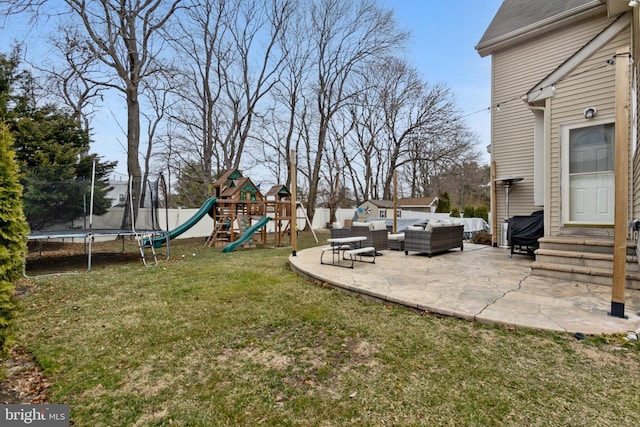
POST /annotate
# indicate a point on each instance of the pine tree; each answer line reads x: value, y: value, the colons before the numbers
x: 52, y: 151
x: 13, y: 234
x: 444, y: 203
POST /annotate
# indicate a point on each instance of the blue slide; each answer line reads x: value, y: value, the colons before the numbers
x: 158, y: 241
x: 247, y: 234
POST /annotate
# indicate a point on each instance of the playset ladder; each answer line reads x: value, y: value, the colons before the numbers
x: 220, y: 233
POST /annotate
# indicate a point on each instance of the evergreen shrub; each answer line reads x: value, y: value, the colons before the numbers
x: 13, y: 235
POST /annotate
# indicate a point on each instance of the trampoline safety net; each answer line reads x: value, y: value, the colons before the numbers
x: 53, y: 201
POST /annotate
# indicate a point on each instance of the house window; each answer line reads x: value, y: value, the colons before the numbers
x: 383, y: 213
x: 591, y: 149
x: 589, y: 174
x: 399, y: 213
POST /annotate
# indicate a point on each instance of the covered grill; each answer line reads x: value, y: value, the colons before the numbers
x: 524, y: 232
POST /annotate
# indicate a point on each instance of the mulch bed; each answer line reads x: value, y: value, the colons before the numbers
x: 24, y: 382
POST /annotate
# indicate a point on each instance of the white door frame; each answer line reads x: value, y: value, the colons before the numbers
x: 564, y: 158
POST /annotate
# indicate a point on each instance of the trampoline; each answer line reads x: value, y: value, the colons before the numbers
x: 104, y: 227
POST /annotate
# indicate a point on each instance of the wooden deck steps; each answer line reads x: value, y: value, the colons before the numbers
x: 583, y: 259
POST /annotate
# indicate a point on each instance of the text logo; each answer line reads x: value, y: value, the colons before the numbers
x: 34, y: 415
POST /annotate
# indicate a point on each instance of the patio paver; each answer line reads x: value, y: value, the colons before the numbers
x: 480, y: 284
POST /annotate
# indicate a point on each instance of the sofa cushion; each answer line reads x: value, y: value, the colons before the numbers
x: 360, y: 224
x: 434, y: 224
x: 337, y: 225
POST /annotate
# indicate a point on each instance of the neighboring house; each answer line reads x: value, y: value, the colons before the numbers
x: 118, y: 192
x: 376, y: 209
x: 561, y: 102
x: 418, y: 204
x: 384, y: 208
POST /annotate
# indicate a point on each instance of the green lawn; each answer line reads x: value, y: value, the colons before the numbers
x: 237, y: 339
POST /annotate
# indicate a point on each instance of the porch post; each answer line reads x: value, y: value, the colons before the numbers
x: 395, y: 202
x: 294, y: 206
x: 621, y: 182
x: 494, y: 205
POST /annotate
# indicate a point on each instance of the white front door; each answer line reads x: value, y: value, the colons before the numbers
x: 590, y: 154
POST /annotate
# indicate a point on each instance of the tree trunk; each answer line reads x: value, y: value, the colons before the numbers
x: 133, y: 143
x: 315, y: 173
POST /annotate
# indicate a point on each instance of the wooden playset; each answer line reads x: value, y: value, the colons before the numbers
x: 240, y: 204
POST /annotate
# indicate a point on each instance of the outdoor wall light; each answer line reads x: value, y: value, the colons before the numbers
x: 633, y: 3
x: 590, y: 113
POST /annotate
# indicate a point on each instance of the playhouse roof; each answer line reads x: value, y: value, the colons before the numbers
x: 278, y: 190
x: 238, y: 185
x: 229, y: 175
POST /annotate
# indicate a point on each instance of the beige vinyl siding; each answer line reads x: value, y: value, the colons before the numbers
x: 515, y: 72
x: 636, y: 160
x: 592, y: 84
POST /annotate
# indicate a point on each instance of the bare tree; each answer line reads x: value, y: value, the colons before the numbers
x: 16, y: 7
x: 200, y: 41
x: 282, y: 129
x: 432, y: 155
x: 233, y: 62
x: 261, y: 24
x: 70, y: 82
x: 394, y: 116
x: 271, y: 75
x: 425, y: 132
x: 123, y: 36
x: 368, y: 140
x: 346, y: 36
x: 401, y: 94
x: 157, y: 92
x: 168, y: 155
x: 467, y: 184
x: 336, y: 163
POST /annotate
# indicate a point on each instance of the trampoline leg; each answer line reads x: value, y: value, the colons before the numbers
x: 89, y: 254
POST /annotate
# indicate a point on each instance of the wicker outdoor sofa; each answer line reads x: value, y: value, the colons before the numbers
x: 433, y: 239
x: 376, y: 233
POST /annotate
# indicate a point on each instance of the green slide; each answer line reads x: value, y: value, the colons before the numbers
x: 247, y: 234
x: 158, y: 241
